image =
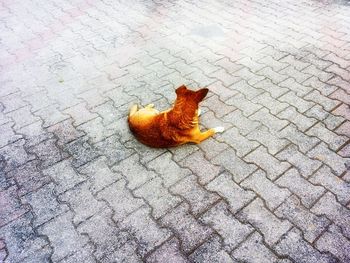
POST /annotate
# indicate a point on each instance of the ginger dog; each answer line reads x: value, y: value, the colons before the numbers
x: 173, y: 127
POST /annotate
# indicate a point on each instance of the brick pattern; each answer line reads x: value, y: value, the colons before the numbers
x: 75, y: 185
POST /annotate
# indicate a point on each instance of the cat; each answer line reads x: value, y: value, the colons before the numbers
x: 173, y: 127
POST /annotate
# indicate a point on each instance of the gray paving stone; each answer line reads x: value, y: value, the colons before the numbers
x: 331, y: 182
x: 269, y: 163
x: 298, y: 185
x: 147, y: 233
x: 157, y: 196
x: 301, y: 121
x: 190, y: 232
x: 246, y: 106
x: 311, y: 225
x: 14, y: 155
x: 329, y: 206
x: 236, y: 166
x: 253, y: 250
x: 82, y: 202
x: 99, y: 174
x: 269, y: 120
x: 305, y: 165
x: 211, y: 252
x: 196, y: 195
x: 169, y: 170
x: 63, y: 236
x: 304, y: 142
x: 230, y: 229
x: 241, y: 144
x: 168, y: 252
x: 333, y: 140
x: 300, y: 104
x: 261, y: 218
x: 333, y: 241
x: 298, y: 249
x: 322, y: 153
x: 244, y: 124
x: 120, y: 199
x: 298, y: 88
x: 107, y: 238
x: 267, y: 190
x: 21, y: 240
x: 236, y: 196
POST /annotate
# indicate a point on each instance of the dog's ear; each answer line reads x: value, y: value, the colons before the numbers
x: 200, y: 94
x: 180, y: 89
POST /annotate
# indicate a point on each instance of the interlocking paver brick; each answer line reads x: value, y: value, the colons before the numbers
x: 300, y: 250
x: 236, y: 196
x: 298, y: 88
x: 269, y: 73
x: 253, y: 250
x: 311, y: 225
x: 244, y: 124
x: 157, y: 196
x: 333, y: 140
x: 261, y: 218
x: 236, y: 166
x: 197, y: 196
x: 333, y: 241
x: 145, y: 230
x: 169, y: 252
x: 8, y: 135
x: 266, y: 161
x: 211, y: 252
x: 324, y: 88
x: 11, y: 207
x: 300, y: 104
x: 266, y: 189
x: 241, y: 144
x: 301, y: 162
x: 269, y: 120
x: 333, y: 183
x: 329, y: 206
x: 322, y: 153
x: 307, y: 192
x: 190, y: 232
x: 272, y: 104
x: 63, y: 236
x: 274, y: 90
x: 230, y: 229
x: 246, y: 106
x: 169, y: 170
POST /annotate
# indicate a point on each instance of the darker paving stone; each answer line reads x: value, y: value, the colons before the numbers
x: 45, y: 195
x: 14, y: 155
x: 21, y: 240
x: 81, y: 151
x: 28, y: 177
x: 11, y: 207
x: 65, y: 132
x: 169, y: 252
x: 113, y: 149
x: 211, y: 252
x: 47, y: 152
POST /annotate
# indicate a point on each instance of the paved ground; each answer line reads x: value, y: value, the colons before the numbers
x: 75, y: 186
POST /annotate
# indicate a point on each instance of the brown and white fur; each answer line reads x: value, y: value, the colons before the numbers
x: 172, y: 127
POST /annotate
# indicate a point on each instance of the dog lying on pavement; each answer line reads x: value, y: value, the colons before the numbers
x: 173, y: 127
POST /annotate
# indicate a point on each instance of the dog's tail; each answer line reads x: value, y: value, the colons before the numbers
x: 133, y: 110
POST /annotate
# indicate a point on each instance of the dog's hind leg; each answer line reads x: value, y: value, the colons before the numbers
x: 201, y: 136
x: 133, y: 110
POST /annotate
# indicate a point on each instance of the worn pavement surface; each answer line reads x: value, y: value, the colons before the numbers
x: 75, y: 186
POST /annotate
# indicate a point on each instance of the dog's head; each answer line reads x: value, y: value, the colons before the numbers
x: 190, y: 95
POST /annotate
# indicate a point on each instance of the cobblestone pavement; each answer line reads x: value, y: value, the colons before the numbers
x: 75, y: 186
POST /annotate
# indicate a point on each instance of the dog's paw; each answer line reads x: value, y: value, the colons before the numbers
x: 150, y: 105
x: 219, y: 129
x: 199, y: 111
